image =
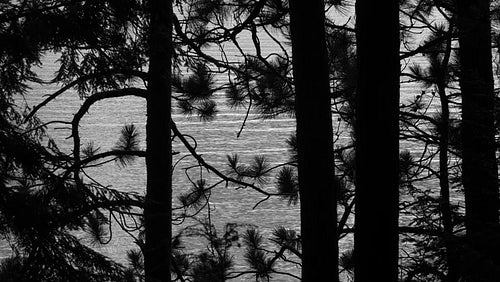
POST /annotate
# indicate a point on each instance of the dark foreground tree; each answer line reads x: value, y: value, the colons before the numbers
x: 480, y: 169
x: 377, y: 148
x: 318, y: 209
x: 478, y: 100
x: 43, y: 206
x: 158, y: 212
x: 94, y: 40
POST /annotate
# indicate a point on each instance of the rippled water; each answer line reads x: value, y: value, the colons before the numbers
x: 216, y: 140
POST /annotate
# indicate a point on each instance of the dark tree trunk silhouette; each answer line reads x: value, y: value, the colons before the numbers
x: 480, y: 175
x: 315, y: 142
x: 157, y: 212
x: 377, y: 144
x: 479, y: 167
x: 444, y: 131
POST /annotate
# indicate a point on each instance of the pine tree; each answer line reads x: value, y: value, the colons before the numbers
x: 314, y: 142
x: 158, y: 209
x: 377, y: 141
x: 476, y: 83
x: 480, y: 169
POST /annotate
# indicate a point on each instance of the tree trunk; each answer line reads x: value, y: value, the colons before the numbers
x: 315, y: 142
x: 480, y: 175
x: 479, y: 167
x: 157, y: 212
x: 377, y: 141
x: 444, y: 184
x: 444, y: 201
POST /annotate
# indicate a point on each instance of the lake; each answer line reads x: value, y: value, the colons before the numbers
x: 216, y: 140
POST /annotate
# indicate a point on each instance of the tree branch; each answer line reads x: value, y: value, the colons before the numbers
x: 81, y: 79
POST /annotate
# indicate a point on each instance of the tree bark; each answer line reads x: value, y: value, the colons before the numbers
x: 480, y: 171
x: 158, y: 214
x: 377, y: 141
x: 479, y: 167
x: 315, y: 142
x: 444, y: 201
x: 444, y: 184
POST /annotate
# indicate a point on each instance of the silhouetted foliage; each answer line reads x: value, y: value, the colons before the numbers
x: 102, y: 49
